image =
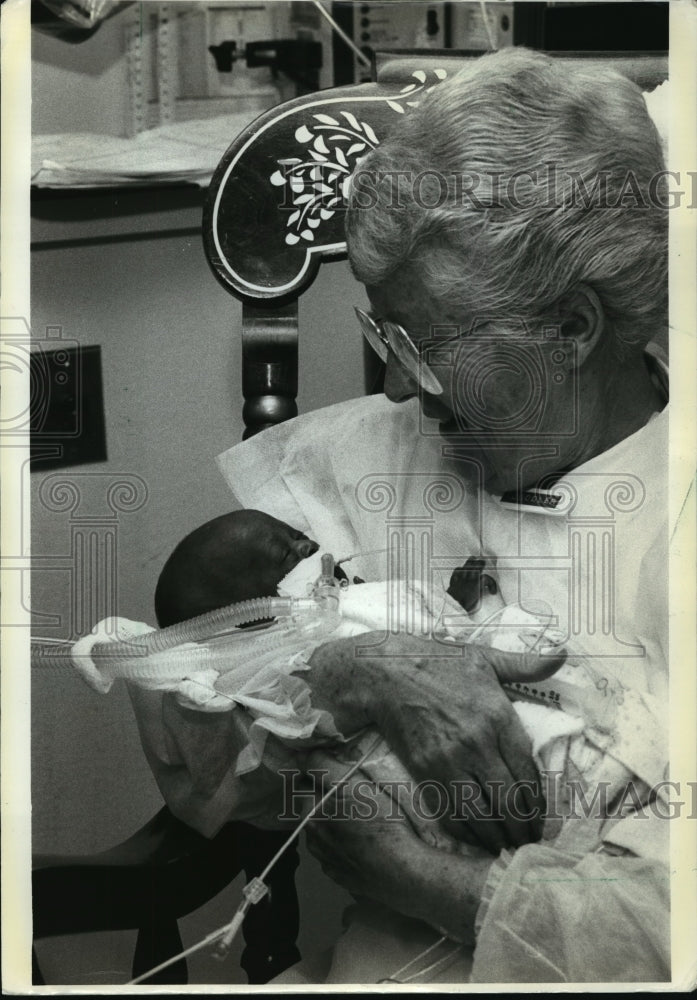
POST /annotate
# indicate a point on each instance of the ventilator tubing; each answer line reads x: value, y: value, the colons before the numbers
x: 212, y: 640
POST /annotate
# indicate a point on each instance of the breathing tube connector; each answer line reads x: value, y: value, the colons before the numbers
x: 327, y: 574
x: 327, y: 589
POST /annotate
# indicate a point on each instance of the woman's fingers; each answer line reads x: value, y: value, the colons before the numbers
x: 450, y: 722
x: 326, y: 765
x: 477, y: 756
x: 474, y: 816
x: 521, y: 667
x: 519, y: 823
x: 480, y: 790
x: 320, y: 845
x: 526, y: 797
x: 366, y: 853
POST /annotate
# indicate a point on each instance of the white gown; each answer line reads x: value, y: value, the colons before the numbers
x: 366, y: 476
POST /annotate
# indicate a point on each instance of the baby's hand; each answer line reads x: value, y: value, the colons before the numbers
x: 472, y: 588
x: 340, y: 575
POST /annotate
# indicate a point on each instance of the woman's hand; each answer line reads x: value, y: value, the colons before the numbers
x: 367, y: 846
x: 442, y: 710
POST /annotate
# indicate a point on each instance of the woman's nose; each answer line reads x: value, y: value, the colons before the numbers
x: 399, y: 384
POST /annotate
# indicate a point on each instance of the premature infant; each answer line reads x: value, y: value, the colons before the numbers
x: 247, y: 554
x: 232, y: 558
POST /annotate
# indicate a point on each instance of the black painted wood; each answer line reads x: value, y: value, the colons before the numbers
x: 269, y: 365
x: 275, y: 206
x: 165, y: 871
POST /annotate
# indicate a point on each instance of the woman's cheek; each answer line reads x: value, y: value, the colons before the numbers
x: 497, y: 387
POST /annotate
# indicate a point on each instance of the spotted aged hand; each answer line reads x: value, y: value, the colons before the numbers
x: 442, y: 710
x: 367, y: 845
x: 360, y: 838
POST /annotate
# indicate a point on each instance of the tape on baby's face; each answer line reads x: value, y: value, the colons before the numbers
x: 300, y: 581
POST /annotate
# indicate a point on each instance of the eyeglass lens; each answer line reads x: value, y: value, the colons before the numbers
x: 396, y: 339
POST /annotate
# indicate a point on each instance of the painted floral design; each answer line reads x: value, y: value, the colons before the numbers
x: 334, y: 145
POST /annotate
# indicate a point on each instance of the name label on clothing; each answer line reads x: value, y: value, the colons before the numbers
x: 535, y: 500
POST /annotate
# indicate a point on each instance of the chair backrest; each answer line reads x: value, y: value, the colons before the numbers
x: 274, y: 210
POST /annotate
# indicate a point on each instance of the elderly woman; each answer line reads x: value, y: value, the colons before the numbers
x: 512, y: 239
x: 558, y: 224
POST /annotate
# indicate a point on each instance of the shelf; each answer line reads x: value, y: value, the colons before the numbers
x: 65, y: 217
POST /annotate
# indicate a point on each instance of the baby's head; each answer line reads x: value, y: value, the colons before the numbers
x: 235, y: 557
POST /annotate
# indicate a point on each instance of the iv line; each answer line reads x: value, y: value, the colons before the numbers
x: 228, y: 931
x: 423, y: 954
x: 255, y: 890
x: 371, y: 552
x: 440, y: 965
x: 487, y: 26
x: 341, y: 33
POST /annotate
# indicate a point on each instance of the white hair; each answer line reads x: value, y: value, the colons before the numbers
x: 562, y: 173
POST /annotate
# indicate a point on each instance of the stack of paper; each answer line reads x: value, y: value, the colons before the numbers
x: 185, y: 151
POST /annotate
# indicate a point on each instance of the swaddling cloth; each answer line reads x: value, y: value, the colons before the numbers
x: 556, y: 736
x: 278, y: 698
x: 279, y: 702
x: 558, y: 743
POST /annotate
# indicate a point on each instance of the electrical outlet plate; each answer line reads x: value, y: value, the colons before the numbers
x: 66, y: 408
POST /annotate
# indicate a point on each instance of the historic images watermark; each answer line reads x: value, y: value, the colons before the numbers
x: 534, y: 370
x: 77, y: 515
x: 409, y: 510
x: 552, y: 185
x: 364, y: 799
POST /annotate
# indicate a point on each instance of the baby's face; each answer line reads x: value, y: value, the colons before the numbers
x: 269, y: 550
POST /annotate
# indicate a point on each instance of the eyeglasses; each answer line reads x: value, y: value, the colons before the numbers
x: 385, y: 336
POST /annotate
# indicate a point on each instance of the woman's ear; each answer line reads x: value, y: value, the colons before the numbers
x: 582, y: 320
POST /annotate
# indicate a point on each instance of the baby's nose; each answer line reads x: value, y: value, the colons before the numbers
x: 305, y: 547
